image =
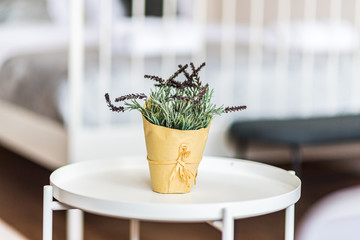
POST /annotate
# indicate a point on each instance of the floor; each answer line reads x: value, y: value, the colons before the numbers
x: 21, y: 183
x: 9, y: 233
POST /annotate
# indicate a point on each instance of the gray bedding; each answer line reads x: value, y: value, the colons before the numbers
x: 38, y: 82
x: 31, y: 81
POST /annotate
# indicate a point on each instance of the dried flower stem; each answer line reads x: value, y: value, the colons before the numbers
x: 192, y: 67
x: 180, y: 70
x: 234, y: 108
x: 111, y: 106
x: 131, y: 96
x: 202, y: 92
x: 155, y: 78
x: 183, y: 98
x: 195, y: 73
x: 186, y: 73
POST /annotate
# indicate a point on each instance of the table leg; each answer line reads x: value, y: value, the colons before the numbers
x: 290, y: 223
x: 47, y: 213
x: 75, y: 224
x: 228, y: 225
x: 74, y: 217
x: 134, y: 229
x: 290, y: 220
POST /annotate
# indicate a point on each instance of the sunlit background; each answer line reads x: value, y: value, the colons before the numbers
x: 283, y: 59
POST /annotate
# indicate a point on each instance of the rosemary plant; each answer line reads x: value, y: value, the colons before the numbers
x: 184, y: 105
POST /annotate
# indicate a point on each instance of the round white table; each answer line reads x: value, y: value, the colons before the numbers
x: 226, y: 189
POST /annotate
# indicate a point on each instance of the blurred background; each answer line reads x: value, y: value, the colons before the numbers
x: 284, y: 59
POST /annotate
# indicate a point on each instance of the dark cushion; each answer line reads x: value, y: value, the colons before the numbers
x: 299, y: 131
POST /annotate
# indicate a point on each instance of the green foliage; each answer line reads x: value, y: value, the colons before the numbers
x: 182, y: 105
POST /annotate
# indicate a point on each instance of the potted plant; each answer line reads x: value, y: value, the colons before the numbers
x: 176, y: 119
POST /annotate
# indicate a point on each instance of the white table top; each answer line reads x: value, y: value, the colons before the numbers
x: 122, y: 188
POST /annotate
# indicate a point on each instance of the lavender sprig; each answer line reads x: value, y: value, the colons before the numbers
x: 155, y: 78
x: 113, y: 107
x: 192, y: 67
x: 196, y: 100
x: 180, y: 70
x: 185, y: 73
x: 183, y: 98
x: 175, y: 84
x: 195, y: 73
x: 202, y: 92
x: 235, y: 108
x: 189, y: 80
x: 171, y: 82
x: 131, y: 96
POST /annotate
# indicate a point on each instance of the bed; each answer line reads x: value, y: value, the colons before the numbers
x: 259, y: 53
